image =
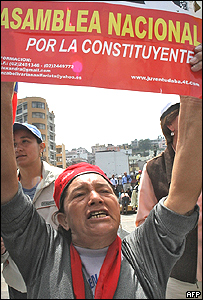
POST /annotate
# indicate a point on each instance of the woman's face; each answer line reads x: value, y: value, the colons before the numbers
x: 91, y: 211
x: 27, y: 150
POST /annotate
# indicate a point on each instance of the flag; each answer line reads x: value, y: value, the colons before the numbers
x: 15, y: 101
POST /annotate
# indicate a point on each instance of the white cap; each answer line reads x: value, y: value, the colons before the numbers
x: 168, y: 105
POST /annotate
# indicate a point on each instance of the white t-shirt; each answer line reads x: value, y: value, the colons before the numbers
x: 92, y: 261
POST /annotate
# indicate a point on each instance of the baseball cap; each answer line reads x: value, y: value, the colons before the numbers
x: 33, y: 129
x: 69, y: 174
x: 169, y: 107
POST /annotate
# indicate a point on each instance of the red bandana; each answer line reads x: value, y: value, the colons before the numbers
x: 108, y: 276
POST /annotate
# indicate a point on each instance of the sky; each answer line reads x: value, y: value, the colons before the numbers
x: 86, y: 116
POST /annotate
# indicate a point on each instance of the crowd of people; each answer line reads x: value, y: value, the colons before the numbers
x: 59, y: 227
x: 126, y: 190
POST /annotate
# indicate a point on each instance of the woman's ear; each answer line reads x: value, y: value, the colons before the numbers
x: 42, y: 147
x: 61, y: 217
x: 171, y: 127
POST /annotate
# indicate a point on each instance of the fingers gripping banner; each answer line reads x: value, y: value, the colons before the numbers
x: 131, y: 45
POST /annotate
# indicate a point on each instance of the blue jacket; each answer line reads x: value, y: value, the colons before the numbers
x: 126, y: 179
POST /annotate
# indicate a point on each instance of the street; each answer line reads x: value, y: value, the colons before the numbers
x: 127, y: 224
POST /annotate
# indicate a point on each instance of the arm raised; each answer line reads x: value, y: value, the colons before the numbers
x: 9, y: 181
x: 186, y: 181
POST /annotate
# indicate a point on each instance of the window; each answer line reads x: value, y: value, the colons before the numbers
x: 51, y: 137
x: 25, y: 118
x: 44, y: 137
x: 19, y: 119
x: 37, y: 104
x: 38, y: 115
x: 24, y: 106
x: 19, y: 110
x: 39, y: 125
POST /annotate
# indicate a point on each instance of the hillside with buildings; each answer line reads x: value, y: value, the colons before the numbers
x: 113, y: 159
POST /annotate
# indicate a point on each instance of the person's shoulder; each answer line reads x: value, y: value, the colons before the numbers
x: 156, y: 163
x: 53, y: 169
x: 156, y: 158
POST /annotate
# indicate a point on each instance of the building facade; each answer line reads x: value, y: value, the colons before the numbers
x: 35, y: 111
x: 98, y: 148
x: 76, y: 155
x: 112, y: 162
x: 61, y: 156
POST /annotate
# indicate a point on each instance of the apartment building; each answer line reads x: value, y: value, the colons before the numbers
x: 61, y: 156
x: 98, y: 148
x: 35, y: 111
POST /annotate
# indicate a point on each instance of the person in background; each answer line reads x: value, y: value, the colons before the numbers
x: 126, y: 180
x: 114, y: 182
x: 138, y: 176
x: 85, y: 258
x: 37, y: 178
x: 125, y: 200
x: 120, y: 186
x: 129, y: 191
x: 134, y: 197
x: 155, y: 184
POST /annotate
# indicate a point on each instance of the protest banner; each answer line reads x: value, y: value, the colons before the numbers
x: 131, y: 45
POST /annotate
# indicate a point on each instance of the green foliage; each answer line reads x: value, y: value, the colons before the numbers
x: 145, y: 145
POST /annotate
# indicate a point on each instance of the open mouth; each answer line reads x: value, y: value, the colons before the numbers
x: 98, y: 214
x: 20, y: 156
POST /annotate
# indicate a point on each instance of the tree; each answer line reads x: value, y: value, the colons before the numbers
x: 144, y: 145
